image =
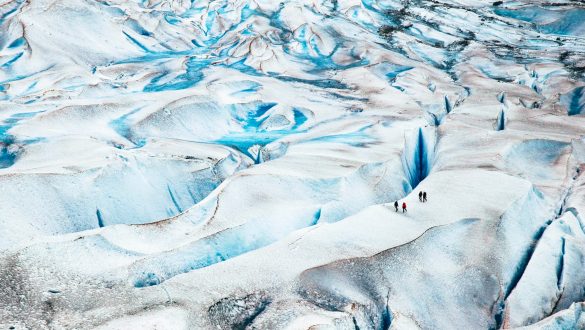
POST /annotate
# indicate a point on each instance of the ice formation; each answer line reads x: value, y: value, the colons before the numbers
x: 231, y: 164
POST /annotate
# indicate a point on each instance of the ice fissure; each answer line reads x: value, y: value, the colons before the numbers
x: 501, y: 121
x: 561, y: 264
x: 100, y: 220
x: 501, y: 314
x: 418, y: 154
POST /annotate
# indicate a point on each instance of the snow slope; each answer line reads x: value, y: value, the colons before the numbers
x: 234, y: 164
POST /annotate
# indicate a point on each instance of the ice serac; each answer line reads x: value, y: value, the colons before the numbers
x: 220, y: 164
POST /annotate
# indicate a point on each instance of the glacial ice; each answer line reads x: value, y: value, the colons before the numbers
x: 218, y: 164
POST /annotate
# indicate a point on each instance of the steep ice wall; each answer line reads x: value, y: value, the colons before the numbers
x: 418, y: 155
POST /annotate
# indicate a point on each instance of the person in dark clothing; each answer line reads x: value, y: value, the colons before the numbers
x: 396, y: 206
x: 404, y: 207
x: 424, y: 196
x: 420, y: 194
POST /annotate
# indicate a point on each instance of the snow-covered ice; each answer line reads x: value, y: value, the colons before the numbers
x: 233, y: 164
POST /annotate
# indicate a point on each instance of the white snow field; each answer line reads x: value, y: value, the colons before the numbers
x: 233, y: 164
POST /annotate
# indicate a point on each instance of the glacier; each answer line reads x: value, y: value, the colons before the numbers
x: 233, y: 164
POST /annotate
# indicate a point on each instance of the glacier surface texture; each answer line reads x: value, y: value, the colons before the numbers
x: 234, y: 164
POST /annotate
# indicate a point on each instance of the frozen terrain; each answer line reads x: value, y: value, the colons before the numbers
x: 233, y: 164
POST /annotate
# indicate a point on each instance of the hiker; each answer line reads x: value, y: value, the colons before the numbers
x: 424, y: 196
x: 420, y: 194
x: 396, y: 206
x: 404, y: 207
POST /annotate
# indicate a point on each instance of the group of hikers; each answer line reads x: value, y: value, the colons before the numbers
x: 422, y: 196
